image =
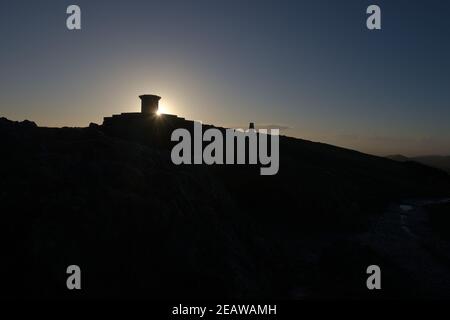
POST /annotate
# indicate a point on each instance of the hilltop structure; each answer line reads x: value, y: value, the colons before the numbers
x: 149, y: 103
x: 153, y: 128
x: 147, y: 126
x: 149, y: 112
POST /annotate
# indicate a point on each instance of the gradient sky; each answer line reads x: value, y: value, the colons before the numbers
x: 311, y: 66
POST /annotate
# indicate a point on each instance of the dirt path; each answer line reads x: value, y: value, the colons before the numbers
x: 403, y: 235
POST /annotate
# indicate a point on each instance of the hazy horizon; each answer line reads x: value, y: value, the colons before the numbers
x: 311, y: 67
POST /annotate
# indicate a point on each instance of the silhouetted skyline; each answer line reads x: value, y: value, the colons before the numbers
x: 311, y: 66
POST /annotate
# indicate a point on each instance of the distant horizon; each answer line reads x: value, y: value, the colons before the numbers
x: 245, y: 127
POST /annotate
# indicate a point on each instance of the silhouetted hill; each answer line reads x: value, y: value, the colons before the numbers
x: 440, y: 162
x: 398, y: 157
x: 140, y: 226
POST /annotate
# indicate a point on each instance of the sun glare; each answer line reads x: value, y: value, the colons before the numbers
x: 162, y: 109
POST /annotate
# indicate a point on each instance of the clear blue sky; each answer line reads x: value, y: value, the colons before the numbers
x: 311, y: 66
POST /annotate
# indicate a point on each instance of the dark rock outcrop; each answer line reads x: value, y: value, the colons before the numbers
x: 139, y: 226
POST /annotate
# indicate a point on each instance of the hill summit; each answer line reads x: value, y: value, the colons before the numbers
x: 115, y: 204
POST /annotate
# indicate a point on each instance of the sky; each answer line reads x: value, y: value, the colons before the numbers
x: 309, y: 67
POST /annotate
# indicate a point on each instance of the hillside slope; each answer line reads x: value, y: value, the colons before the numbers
x: 139, y: 226
x: 440, y: 162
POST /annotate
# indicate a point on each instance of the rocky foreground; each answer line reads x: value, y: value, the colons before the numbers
x: 139, y: 226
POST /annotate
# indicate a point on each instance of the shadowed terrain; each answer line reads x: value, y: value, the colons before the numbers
x: 139, y: 226
x: 440, y: 162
